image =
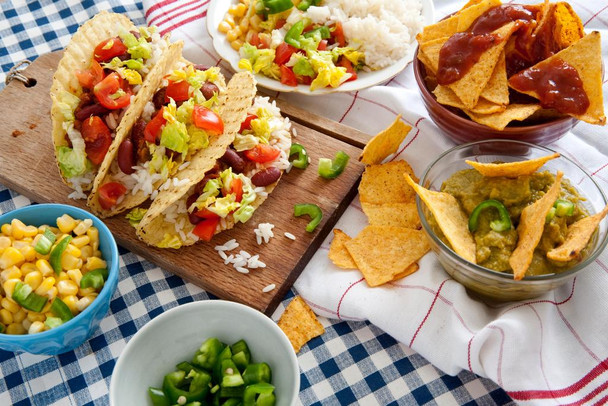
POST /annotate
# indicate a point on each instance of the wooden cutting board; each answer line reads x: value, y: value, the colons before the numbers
x: 27, y: 165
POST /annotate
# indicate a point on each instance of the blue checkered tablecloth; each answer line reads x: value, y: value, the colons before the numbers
x: 353, y: 362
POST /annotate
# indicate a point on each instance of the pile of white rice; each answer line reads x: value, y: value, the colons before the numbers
x: 383, y: 29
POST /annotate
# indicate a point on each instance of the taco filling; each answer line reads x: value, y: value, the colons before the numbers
x: 93, y: 112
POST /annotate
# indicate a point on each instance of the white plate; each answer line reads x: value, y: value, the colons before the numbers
x: 217, y: 10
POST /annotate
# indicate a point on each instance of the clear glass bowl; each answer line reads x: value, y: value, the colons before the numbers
x: 487, y: 282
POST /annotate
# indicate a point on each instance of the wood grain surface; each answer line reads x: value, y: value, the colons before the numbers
x: 27, y: 165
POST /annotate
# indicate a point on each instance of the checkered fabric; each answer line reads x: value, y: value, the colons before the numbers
x: 353, y: 362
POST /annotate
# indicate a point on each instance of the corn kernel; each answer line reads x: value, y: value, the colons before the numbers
x: 6, y: 317
x: 224, y: 27
x: 71, y: 301
x: 86, y: 251
x: 94, y: 263
x: 72, y: 250
x: 9, y: 286
x: 5, y: 242
x: 67, y: 288
x: 36, y: 327
x: 11, y: 256
x: 34, y: 316
x: 75, y: 275
x: 66, y: 224
x: 15, y: 328
x: 28, y: 267
x: 241, y: 9
x: 93, y: 234
x: 63, y: 276
x: 34, y: 279
x: 233, y: 34
x: 255, y: 22
x: 84, y: 302
x: 83, y: 226
x: 18, y: 229
x: 81, y: 241
x: 6, y: 229
x: 85, y: 292
x: 244, y: 25
x: 52, y: 293
x: 30, y: 231
x: 44, y: 267
x: 42, y: 228
x: 26, y: 324
x: 19, y: 316
x: 229, y: 19
x: 69, y: 261
x: 97, y: 253
x: 19, y: 244
x: 40, y: 256
x: 29, y: 253
x: 10, y: 305
x: 11, y: 273
x: 45, y: 286
x: 47, y: 308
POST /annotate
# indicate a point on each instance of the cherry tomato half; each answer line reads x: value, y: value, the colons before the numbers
x: 338, y: 34
x: 205, y: 214
x: 246, y: 125
x: 322, y: 45
x: 262, y: 153
x: 288, y: 77
x: 207, y: 120
x: 109, y: 193
x: 90, y: 77
x: 97, y: 138
x: 154, y: 127
x: 206, y: 228
x: 283, y: 53
x: 177, y: 91
x: 349, y: 68
x: 108, y: 49
x: 112, y: 92
x: 236, y: 187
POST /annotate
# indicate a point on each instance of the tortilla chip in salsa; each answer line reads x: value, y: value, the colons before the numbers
x: 512, y: 169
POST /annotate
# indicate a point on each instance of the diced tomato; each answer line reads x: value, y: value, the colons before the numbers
x: 283, y: 53
x: 108, y: 49
x: 288, y: 77
x: 262, y: 153
x: 90, y: 77
x: 205, y: 214
x: 280, y: 23
x: 309, y: 27
x: 254, y: 39
x: 97, y: 138
x: 344, y: 62
x: 112, y: 92
x: 154, y: 126
x: 338, y: 34
x: 264, y: 41
x: 207, y: 120
x: 206, y: 228
x: 246, y: 125
x: 236, y: 187
x: 322, y: 45
x: 304, y: 80
x: 178, y: 91
x: 109, y: 193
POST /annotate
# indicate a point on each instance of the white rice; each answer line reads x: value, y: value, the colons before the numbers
x: 241, y: 269
x: 264, y: 232
x: 269, y: 288
x: 149, y: 110
x: 112, y: 120
x: 77, y: 183
x: 290, y: 236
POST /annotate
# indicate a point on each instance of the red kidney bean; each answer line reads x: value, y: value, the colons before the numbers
x: 139, y: 140
x: 83, y: 112
x: 135, y: 33
x: 126, y: 157
x: 194, y: 219
x: 198, y: 66
x: 159, y: 98
x: 209, y: 89
x: 232, y: 159
x: 266, y: 177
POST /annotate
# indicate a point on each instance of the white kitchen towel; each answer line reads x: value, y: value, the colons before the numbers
x: 551, y: 350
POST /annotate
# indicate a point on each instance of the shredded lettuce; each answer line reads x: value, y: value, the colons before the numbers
x: 198, y: 139
x: 328, y: 74
x: 72, y: 162
x: 355, y: 57
x: 261, y: 60
x: 195, y: 78
x: 303, y: 67
x: 137, y: 48
x: 243, y: 142
x: 175, y: 137
x: 170, y: 241
x: 245, y: 212
x: 135, y: 216
x: 67, y: 104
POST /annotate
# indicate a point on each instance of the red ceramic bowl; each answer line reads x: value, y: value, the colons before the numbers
x: 457, y: 126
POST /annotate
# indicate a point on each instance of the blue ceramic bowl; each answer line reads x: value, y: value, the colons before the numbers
x: 73, y: 333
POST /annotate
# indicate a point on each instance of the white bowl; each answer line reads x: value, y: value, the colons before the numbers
x: 175, y: 335
x: 217, y: 10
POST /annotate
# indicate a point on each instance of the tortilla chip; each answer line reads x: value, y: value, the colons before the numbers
x: 385, y: 142
x: 408, y: 271
x: 452, y: 221
x: 577, y: 238
x: 338, y: 253
x: 383, y: 252
x: 431, y: 50
x: 446, y: 96
x: 530, y: 229
x: 498, y: 121
x: 512, y: 169
x: 497, y: 88
x: 472, y: 11
x: 585, y: 56
x: 392, y: 214
x: 568, y: 26
x: 299, y: 323
x: 383, y: 183
x: 443, y: 28
x: 426, y: 62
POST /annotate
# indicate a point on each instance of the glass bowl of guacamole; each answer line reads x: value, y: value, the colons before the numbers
x: 492, y: 277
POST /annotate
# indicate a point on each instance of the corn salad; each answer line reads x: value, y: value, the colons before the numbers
x: 21, y: 264
x: 240, y: 23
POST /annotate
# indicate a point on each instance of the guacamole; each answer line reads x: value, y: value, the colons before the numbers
x: 494, y: 248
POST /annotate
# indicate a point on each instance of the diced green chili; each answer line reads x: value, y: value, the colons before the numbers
x: 56, y: 253
x: 302, y: 161
x: 241, y: 354
x: 61, y: 310
x: 295, y: 32
x: 158, y: 397
x: 276, y: 6
x: 94, y: 279
x: 232, y: 392
x: 305, y: 4
x: 231, y: 377
x: 46, y: 241
x: 503, y: 223
x: 253, y: 393
x: 194, y: 404
x: 311, y: 210
x: 563, y: 208
x: 232, y: 402
x: 550, y: 215
x: 23, y: 295
x: 175, y: 385
x: 52, y: 322
x: 329, y: 169
x: 319, y: 33
x: 217, y: 368
x: 257, y: 373
x: 208, y: 354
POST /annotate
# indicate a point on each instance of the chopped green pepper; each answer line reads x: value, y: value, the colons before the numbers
x: 302, y: 161
x: 158, y: 397
x: 311, y: 210
x: 46, y: 241
x: 253, y: 393
x: 241, y: 354
x: 563, y: 208
x: 503, y: 223
x: 175, y: 385
x: 318, y: 33
x: 305, y: 4
x: 56, y: 253
x: 257, y: 373
x: 217, y: 368
x: 276, y: 6
x: 94, y: 279
x: 52, y: 322
x: 295, y: 32
x: 550, y: 215
x: 61, y: 310
x: 329, y: 169
x: 208, y: 354
x: 231, y: 376
x: 232, y: 392
x: 232, y: 402
x: 23, y: 295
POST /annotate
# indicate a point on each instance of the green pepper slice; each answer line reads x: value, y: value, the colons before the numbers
x: 253, y: 393
x: 295, y: 32
x: 61, y: 310
x: 158, y: 397
x: 302, y: 161
x: 52, y: 322
x: 257, y: 373
x: 318, y: 33
x: 503, y: 223
x: 329, y: 169
x: 276, y: 6
x: 197, y: 390
x: 231, y: 377
x: 217, y: 368
x: 232, y: 391
x: 44, y: 244
x: 305, y: 4
x: 94, y: 279
x: 311, y: 210
x: 56, y: 253
x: 563, y: 208
x: 208, y: 354
x: 23, y: 295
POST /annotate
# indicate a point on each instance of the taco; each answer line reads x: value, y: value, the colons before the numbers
x: 230, y: 191
x: 174, y: 126
x: 104, y: 71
